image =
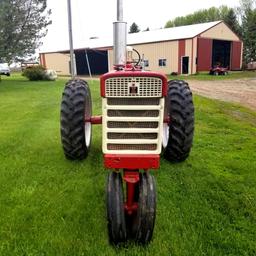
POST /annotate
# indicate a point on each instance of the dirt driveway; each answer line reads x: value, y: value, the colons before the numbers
x: 242, y: 91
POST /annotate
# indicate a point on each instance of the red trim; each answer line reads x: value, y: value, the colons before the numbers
x: 131, y: 178
x: 167, y: 119
x: 182, y: 52
x: 112, y: 161
x: 44, y: 61
x: 40, y: 57
x: 95, y: 120
x: 135, y: 73
x: 192, y: 56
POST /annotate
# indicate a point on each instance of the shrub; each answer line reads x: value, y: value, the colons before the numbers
x: 35, y: 73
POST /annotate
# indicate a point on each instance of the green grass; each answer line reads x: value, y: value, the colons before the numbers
x: 204, y: 76
x: 51, y: 206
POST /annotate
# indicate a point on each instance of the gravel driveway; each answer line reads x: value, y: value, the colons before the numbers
x: 242, y: 91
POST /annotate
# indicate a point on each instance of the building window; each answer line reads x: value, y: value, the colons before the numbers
x: 146, y: 63
x: 162, y: 62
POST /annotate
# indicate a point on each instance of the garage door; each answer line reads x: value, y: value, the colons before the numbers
x: 204, y: 54
x: 236, y: 55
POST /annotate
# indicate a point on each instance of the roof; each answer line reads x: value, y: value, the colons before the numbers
x: 169, y: 34
x: 166, y: 34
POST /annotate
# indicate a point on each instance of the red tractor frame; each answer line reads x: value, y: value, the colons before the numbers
x: 143, y: 116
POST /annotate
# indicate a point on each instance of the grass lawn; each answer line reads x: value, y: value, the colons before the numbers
x: 51, y: 206
x: 205, y: 76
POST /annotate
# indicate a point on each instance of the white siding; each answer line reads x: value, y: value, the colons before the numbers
x: 155, y: 51
x: 58, y: 62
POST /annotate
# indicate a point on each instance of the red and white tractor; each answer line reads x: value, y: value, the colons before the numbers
x: 143, y: 116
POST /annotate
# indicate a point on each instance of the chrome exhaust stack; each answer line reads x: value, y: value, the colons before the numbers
x: 120, y: 38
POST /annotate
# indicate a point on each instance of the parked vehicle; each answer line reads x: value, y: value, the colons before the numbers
x: 4, y: 69
x: 218, y: 70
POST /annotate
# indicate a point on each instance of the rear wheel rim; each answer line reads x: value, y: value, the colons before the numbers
x: 165, y: 135
x: 87, y: 125
x: 87, y: 133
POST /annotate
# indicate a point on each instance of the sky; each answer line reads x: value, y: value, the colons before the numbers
x: 94, y: 18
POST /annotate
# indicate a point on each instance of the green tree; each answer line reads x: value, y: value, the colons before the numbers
x: 248, y: 18
x: 201, y: 16
x: 231, y: 19
x: 22, y: 24
x: 134, y: 28
x: 224, y: 13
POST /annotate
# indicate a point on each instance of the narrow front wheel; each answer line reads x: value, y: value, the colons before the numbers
x: 115, y: 209
x: 143, y: 225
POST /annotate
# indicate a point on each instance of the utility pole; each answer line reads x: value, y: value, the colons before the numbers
x: 72, y: 56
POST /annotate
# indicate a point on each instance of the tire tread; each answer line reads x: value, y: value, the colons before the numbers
x: 181, y: 129
x: 73, y: 104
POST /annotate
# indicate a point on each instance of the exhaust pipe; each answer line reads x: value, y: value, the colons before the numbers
x: 120, y: 8
x: 120, y: 37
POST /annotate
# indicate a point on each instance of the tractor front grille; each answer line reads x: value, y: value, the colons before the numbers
x: 133, y: 122
x: 134, y: 101
x: 133, y: 113
x: 127, y: 136
x: 143, y: 87
x: 132, y: 146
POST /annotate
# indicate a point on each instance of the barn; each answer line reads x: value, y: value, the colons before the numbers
x: 183, y: 50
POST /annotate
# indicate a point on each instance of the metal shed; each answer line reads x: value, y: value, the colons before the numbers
x: 185, y: 50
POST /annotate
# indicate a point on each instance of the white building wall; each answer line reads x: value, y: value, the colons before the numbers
x: 153, y: 52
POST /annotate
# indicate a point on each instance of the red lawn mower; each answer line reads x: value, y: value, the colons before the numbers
x: 143, y: 115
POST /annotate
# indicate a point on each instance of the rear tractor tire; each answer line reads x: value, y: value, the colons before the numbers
x: 76, y: 111
x: 178, y: 133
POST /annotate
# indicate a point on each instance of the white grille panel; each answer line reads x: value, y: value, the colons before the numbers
x: 132, y: 128
x: 133, y: 87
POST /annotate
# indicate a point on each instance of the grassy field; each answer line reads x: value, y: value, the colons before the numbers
x: 205, y: 76
x: 51, y: 206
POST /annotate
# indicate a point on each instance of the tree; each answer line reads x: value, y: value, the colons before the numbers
x: 247, y: 11
x: 134, y: 28
x: 201, y: 16
x: 224, y: 13
x: 231, y: 20
x: 23, y: 24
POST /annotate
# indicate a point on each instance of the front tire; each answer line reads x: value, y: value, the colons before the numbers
x: 178, y: 133
x: 76, y: 111
x: 143, y: 225
x: 115, y: 209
